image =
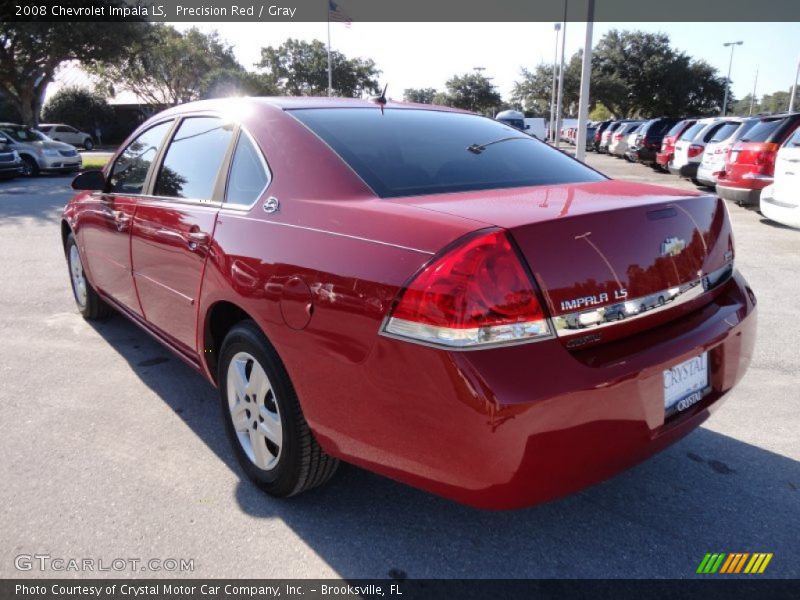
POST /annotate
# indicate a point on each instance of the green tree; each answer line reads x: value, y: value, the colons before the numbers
x: 600, y: 113
x: 534, y: 89
x: 30, y: 53
x: 166, y: 66
x: 472, y: 91
x: 635, y: 73
x: 775, y: 102
x: 78, y: 107
x: 419, y: 95
x: 300, y: 68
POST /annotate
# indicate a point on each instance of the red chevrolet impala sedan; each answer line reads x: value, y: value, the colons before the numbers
x: 426, y: 293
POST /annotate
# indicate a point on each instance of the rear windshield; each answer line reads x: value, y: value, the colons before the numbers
x: 692, y: 131
x: 762, y: 131
x: 406, y: 152
x: 676, y: 128
x: 725, y: 131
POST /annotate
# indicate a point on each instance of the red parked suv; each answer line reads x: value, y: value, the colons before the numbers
x: 750, y: 163
x: 417, y: 290
x: 664, y: 156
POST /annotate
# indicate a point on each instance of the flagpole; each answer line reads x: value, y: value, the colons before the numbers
x: 330, y: 71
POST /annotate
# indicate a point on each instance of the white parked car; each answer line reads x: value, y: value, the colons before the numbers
x: 690, y: 146
x: 619, y: 139
x: 64, y: 133
x: 780, y: 201
x: 716, y: 150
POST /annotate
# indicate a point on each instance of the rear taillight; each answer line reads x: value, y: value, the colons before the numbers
x: 667, y: 143
x: 617, y: 136
x: 476, y: 294
x: 597, y: 136
x: 695, y: 150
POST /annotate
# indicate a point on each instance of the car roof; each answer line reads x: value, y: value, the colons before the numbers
x: 303, y: 102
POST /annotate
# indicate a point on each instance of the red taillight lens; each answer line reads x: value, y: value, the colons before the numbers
x: 617, y: 136
x: 695, y: 150
x: 667, y: 143
x: 476, y: 294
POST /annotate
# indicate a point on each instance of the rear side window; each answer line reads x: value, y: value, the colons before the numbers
x: 248, y: 175
x: 692, y: 131
x: 404, y: 152
x: 762, y: 131
x: 794, y: 140
x: 130, y: 170
x: 193, y: 159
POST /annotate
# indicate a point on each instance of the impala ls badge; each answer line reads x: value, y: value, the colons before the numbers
x: 672, y: 246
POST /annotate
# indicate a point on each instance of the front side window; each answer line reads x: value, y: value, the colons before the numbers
x: 409, y: 152
x: 194, y: 156
x: 248, y: 175
x: 130, y: 170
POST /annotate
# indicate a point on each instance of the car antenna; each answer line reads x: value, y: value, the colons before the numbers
x: 380, y: 99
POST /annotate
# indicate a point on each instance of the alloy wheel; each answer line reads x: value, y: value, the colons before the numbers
x: 254, y: 411
x: 78, y: 277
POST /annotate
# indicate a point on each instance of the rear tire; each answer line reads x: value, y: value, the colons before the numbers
x: 88, y: 144
x: 263, y: 419
x: 89, y: 303
x: 29, y: 167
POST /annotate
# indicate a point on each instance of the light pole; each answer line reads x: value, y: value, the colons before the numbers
x: 557, y: 27
x: 728, y: 80
x: 586, y: 73
x: 753, y: 96
x: 560, y: 95
x: 794, y: 88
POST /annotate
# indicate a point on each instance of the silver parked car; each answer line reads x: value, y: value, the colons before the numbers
x: 38, y: 152
x: 65, y: 133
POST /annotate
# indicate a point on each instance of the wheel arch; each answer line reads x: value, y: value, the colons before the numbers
x: 66, y: 229
x: 220, y: 318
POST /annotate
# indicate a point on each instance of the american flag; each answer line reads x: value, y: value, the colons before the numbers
x: 337, y: 14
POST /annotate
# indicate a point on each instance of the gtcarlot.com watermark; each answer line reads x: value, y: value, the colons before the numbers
x: 46, y: 562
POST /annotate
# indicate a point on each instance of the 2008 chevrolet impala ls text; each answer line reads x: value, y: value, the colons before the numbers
x: 426, y: 293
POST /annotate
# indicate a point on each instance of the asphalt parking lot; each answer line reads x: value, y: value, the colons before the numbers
x: 113, y: 448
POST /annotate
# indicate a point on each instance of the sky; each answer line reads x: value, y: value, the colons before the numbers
x: 427, y: 54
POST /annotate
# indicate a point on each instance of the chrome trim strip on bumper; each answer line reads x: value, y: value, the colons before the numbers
x: 604, y: 316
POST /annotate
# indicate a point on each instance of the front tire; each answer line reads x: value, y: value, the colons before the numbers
x: 90, y: 304
x: 263, y: 419
x: 88, y: 144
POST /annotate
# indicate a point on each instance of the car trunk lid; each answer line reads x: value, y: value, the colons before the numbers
x: 597, y: 246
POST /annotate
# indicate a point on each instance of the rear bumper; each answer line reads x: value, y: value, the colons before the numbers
x: 688, y: 170
x: 646, y: 155
x: 739, y: 194
x: 708, y: 176
x: 778, y: 211
x: 515, y: 426
x: 664, y: 158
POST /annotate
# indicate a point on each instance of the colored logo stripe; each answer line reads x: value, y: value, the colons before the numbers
x: 734, y: 562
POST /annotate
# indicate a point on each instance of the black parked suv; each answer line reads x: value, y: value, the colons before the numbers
x: 648, y: 142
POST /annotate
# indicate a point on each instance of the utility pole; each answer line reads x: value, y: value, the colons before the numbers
x: 753, y: 96
x: 728, y: 80
x: 561, y: 80
x: 557, y: 28
x: 794, y: 87
x: 586, y: 75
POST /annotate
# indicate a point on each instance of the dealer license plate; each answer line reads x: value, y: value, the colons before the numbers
x: 685, y: 384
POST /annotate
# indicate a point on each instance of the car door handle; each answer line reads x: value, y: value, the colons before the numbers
x: 197, y: 239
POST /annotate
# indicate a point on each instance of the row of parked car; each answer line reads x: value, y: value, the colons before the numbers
x: 49, y: 148
x: 749, y: 160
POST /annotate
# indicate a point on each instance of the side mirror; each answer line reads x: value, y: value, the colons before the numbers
x: 89, y: 180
